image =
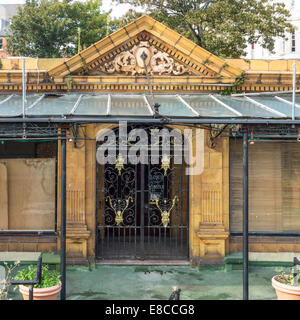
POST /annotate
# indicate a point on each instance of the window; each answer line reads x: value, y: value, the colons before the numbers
x: 1, y: 43
x: 28, y: 185
x: 274, y: 189
x: 293, y: 42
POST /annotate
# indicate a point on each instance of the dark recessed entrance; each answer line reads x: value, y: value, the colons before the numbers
x: 143, y: 208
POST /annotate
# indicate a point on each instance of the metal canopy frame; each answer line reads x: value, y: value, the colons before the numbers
x: 186, y: 107
x: 154, y: 118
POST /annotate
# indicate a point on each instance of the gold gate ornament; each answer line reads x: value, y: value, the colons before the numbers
x: 165, y: 214
x: 119, y: 213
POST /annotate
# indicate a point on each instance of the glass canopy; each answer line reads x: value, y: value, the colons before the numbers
x: 278, y: 106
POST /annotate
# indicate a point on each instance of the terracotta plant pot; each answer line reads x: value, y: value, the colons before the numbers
x: 41, y: 293
x: 285, y: 291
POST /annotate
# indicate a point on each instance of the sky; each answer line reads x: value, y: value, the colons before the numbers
x: 117, y: 10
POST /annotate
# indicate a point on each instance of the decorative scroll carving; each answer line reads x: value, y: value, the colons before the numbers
x: 131, y: 63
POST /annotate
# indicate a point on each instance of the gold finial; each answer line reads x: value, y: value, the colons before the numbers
x: 165, y: 163
x: 119, y: 164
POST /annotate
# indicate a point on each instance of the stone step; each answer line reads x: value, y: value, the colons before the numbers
x: 280, y: 259
x: 30, y: 258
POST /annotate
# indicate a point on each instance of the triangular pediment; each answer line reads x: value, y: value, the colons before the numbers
x: 165, y: 52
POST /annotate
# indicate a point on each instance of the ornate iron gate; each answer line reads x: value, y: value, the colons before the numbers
x: 142, y: 210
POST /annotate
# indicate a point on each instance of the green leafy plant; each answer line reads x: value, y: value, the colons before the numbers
x: 50, y: 278
x: 49, y: 28
x: 239, y: 81
x: 222, y: 27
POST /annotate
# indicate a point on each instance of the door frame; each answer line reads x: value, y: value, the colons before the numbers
x: 188, y: 197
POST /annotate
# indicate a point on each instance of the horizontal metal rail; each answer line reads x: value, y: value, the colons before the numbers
x: 140, y: 120
x: 267, y: 234
x: 27, y: 233
x: 269, y: 93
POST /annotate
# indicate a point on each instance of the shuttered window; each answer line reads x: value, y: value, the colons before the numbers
x: 274, y: 186
x: 27, y: 185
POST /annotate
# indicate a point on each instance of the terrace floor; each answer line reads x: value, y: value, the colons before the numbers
x: 112, y: 282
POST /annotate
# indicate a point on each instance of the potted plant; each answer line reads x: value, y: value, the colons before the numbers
x: 48, y: 289
x: 287, y: 286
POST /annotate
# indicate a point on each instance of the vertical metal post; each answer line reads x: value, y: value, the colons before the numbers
x: 63, y: 217
x: 23, y: 87
x: 294, y: 89
x: 142, y: 210
x: 245, y: 216
x: 31, y: 292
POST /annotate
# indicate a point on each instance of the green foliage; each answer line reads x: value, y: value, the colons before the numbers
x: 50, y: 278
x: 235, y: 87
x: 128, y: 17
x: 223, y: 27
x: 49, y: 28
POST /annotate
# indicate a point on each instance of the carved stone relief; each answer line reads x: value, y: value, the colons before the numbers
x: 131, y: 62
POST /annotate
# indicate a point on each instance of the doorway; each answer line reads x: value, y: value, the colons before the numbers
x: 142, y: 209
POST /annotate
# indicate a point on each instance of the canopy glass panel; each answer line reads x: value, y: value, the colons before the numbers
x: 274, y: 104
x: 290, y: 98
x: 170, y: 105
x: 13, y: 107
x: 207, y: 106
x: 92, y: 105
x: 129, y: 105
x: 247, y: 108
x: 54, y: 105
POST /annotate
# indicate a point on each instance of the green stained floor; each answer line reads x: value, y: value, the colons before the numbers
x: 155, y: 283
